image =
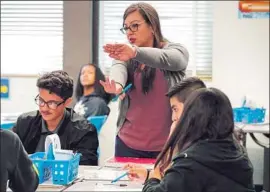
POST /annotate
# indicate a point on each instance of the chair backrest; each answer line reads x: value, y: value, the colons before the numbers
x: 7, y: 124
x: 98, y: 121
x: 8, y: 120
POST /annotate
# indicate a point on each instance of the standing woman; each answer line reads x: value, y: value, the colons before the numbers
x: 91, y: 98
x: 152, y: 65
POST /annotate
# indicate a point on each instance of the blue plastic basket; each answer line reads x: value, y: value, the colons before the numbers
x: 62, y: 172
x: 248, y: 115
x: 44, y: 167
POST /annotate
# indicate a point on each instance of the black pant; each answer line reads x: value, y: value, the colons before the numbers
x: 122, y: 150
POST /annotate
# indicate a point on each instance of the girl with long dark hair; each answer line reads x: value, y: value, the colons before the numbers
x: 201, y: 155
x: 91, y: 98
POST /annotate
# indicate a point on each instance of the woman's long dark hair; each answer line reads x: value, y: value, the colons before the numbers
x: 99, y: 90
x: 207, y: 114
x: 151, y: 17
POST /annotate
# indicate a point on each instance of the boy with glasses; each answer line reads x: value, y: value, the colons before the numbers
x: 53, y: 116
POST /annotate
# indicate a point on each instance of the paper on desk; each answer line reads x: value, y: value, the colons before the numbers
x: 103, y: 175
x: 84, y: 169
x: 92, y: 186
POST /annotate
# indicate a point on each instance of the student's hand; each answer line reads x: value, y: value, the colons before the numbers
x: 112, y: 87
x: 156, y: 173
x: 122, y: 52
x: 136, y: 172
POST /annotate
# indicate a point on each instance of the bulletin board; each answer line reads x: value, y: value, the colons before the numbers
x: 4, y: 88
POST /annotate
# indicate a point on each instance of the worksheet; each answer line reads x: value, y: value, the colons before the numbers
x: 104, y: 175
x: 93, y: 186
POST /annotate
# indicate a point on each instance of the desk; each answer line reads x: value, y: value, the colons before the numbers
x: 84, y: 184
x: 46, y: 186
x: 8, y: 120
x: 92, y: 186
x: 255, y: 128
x: 81, y: 184
x: 262, y: 128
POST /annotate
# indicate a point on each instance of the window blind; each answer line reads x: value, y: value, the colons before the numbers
x: 31, y: 37
x: 186, y: 22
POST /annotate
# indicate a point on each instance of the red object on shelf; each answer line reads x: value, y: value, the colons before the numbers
x: 254, y: 6
x: 120, y: 162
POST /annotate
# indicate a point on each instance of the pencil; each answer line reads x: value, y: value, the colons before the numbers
x: 120, y: 177
x: 124, y: 91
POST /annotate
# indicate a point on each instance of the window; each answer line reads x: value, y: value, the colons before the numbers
x: 185, y: 22
x: 31, y: 37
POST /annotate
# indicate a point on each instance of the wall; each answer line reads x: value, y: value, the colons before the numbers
x: 77, y: 36
x: 240, y: 54
x: 241, y: 64
x: 22, y: 94
x: 77, y: 51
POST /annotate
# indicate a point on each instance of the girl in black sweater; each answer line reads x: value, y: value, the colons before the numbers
x: 202, y: 155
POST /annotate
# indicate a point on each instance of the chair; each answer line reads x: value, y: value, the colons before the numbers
x: 7, y: 124
x: 98, y: 121
x: 8, y: 120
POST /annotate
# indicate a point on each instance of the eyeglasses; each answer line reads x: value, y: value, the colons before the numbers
x: 133, y: 27
x: 50, y: 104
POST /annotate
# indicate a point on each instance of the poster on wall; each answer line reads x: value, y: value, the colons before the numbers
x: 4, y: 88
x: 253, y: 9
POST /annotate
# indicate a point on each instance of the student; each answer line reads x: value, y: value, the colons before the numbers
x: 15, y: 165
x: 177, y: 94
x: 201, y: 154
x: 75, y: 133
x: 152, y: 64
x: 91, y: 98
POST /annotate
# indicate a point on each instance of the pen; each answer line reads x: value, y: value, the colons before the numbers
x: 124, y: 91
x: 120, y: 185
x: 120, y: 177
